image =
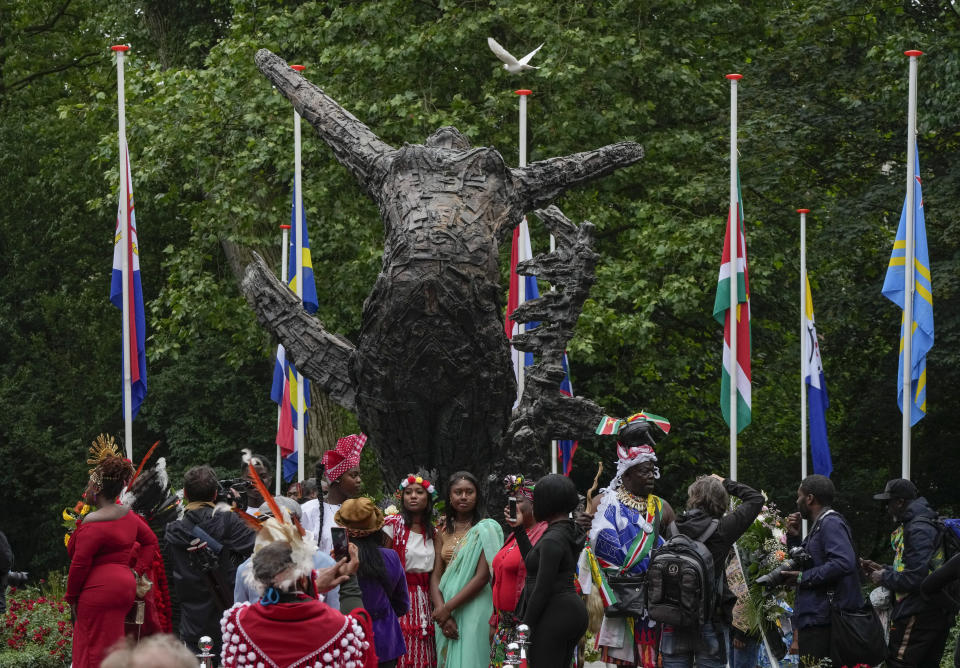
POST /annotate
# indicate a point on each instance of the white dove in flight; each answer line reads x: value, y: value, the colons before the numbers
x: 511, y: 64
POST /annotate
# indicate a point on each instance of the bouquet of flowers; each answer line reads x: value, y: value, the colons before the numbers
x: 73, y: 515
x: 762, y: 548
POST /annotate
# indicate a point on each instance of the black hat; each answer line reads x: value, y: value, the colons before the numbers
x: 898, y: 488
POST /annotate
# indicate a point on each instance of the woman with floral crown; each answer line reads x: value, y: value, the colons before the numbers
x: 410, y: 533
x: 627, y: 526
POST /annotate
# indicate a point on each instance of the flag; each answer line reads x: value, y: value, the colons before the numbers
x: 817, y: 401
x: 566, y: 448
x: 310, y: 302
x: 521, y: 251
x: 283, y: 390
x: 740, y: 370
x: 893, y: 287
x: 137, y: 349
x: 609, y: 426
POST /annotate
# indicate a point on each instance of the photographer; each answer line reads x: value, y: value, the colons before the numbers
x: 204, y: 548
x: 919, y: 622
x: 829, y: 565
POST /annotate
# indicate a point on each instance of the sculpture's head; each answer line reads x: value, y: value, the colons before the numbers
x: 448, y: 137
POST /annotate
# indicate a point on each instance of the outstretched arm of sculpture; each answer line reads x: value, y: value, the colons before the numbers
x: 541, y: 182
x: 355, y: 145
x: 322, y: 357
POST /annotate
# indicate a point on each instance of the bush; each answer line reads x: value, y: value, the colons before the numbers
x: 36, y: 629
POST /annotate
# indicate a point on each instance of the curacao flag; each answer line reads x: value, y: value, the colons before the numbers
x: 284, y: 388
x: 740, y: 368
x: 922, y: 317
x: 817, y: 401
x: 136, y: 351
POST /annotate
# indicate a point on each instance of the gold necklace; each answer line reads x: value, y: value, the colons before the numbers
x: 632, y: 501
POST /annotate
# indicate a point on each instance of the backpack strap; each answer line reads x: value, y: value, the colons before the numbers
x: 709, y: 531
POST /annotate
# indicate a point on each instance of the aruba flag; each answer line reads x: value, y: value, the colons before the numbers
x: 922, y: 317
x: 136, y: 350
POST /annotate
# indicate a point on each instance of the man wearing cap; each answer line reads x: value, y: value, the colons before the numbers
x: 919, y: 625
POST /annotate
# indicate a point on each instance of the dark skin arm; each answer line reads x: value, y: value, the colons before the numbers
x: 479, y: 580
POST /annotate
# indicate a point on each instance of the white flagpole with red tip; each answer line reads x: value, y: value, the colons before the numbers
x: 908, y: 267
x: 283, y: 274
x: 524, y: 234
x: 298, y: 208
x: 124, y: 226
x: 804, y: 354
x: 734, y: 284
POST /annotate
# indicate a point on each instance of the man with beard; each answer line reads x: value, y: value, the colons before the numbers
x: 831, y: 567
x: 919, y: 623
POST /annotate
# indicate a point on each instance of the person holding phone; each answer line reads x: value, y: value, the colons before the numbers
x: 509, y: 572
x: 381, y: 577
x: 460, y: 582
x: 342, y: 469
x: 411, y: 533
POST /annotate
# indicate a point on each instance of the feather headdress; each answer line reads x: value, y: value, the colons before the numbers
x: 279, y: 527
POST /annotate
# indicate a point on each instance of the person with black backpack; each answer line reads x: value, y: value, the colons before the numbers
x: 686, y: 581
x: 204, y: 548
x: 919, y: 623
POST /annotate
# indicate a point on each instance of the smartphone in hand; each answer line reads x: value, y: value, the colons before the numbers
x: 341, y: 543
x: 512, y: 508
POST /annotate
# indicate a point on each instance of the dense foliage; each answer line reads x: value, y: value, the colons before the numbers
x: 822, y: 114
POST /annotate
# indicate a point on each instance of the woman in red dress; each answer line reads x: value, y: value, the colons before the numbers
x: 101, y: 587
x: 509, y: 571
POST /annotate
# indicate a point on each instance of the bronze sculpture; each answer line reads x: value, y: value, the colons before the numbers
x: 430, y: 378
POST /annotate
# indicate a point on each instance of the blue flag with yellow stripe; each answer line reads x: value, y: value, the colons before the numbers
x: 922, y: 320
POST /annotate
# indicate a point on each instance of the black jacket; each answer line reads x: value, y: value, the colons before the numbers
x: 551, y: 567
x: 199, y: 611
x: 694, y: 522
x: 921, y: 538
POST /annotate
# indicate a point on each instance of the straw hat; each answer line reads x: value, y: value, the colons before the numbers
x: 360, y: 517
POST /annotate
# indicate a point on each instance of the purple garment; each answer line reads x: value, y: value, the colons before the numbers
x: 386, y: 606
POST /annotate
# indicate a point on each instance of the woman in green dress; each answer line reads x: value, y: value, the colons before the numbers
x: 460, y: 582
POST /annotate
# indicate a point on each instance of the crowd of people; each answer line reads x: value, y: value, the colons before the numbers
x: 330, y: 579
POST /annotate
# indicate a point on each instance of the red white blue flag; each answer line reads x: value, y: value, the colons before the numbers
x: 522, y: 251
x: 136, y: 351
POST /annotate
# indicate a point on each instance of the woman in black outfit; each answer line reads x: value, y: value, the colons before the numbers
x: 549, y: 604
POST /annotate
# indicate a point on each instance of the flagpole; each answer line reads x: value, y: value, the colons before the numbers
x: 298, y: 204
x: 734, y: 287
x: 283, y: 273
x: 524, y: 233
x: 124, y: 226
x: 908, y: 267
x: 804, y: 353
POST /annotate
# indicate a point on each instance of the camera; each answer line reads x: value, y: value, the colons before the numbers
x: 17, y: 578
x: 797, y: 560
x: 233, y: 492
